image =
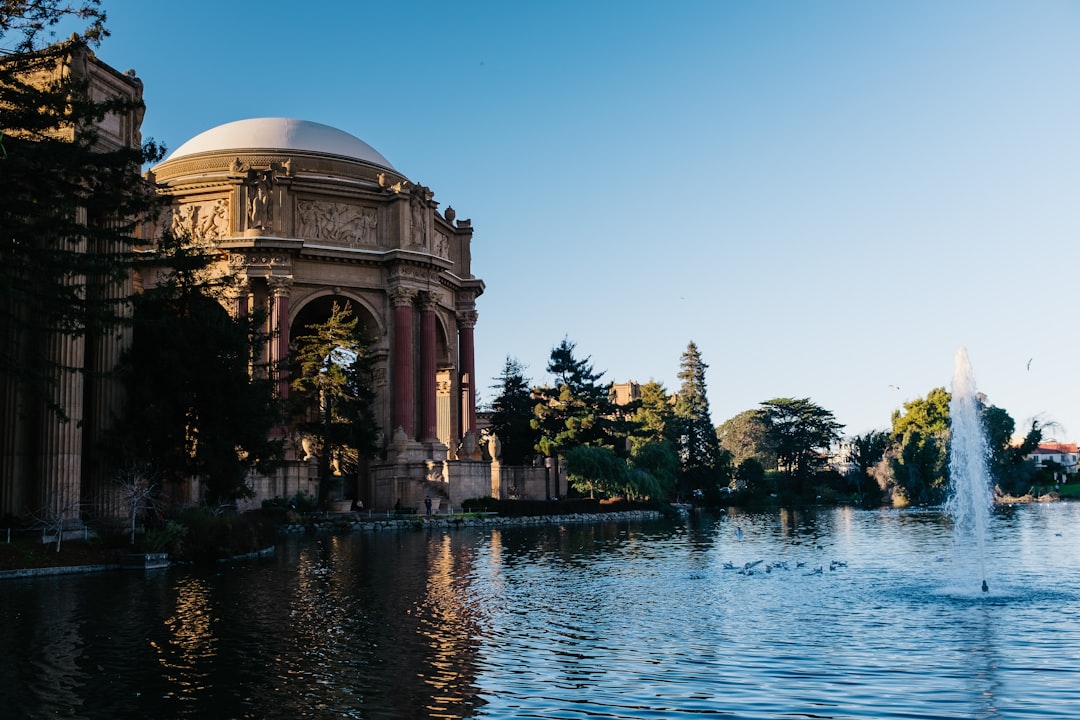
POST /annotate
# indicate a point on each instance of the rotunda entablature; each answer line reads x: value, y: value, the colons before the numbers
x: 295, y: 147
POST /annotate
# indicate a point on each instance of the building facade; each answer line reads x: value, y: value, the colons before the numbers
x: 46, y: 467
x: 306, y: 215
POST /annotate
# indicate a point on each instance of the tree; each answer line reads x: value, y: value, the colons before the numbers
x: 196, y: 406
x: 919, y: 465
x: 575, y: 410
x: 802, y: 433
x: 867, y: 451
x: 333, y: 398
x: 699, y: 448
x: 927, y: 415
x: 654, y: 468
x: 1007, y: 461
x: 71, y: 204
x: 595, y: 470
x: 654, y: 418
x: 746, y: 436
x: 512, y: 414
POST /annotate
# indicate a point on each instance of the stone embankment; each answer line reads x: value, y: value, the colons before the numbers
x: 354, y: 522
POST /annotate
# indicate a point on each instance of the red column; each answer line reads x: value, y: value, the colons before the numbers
x: 279, y: 311
x: 402, y: 360
x: 428, y: 416
x: 466, y: 323
x: 243, y: 293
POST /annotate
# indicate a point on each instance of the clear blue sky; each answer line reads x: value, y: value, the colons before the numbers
x: 827, y: 197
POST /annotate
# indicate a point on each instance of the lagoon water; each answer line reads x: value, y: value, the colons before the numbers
x: 631, y: 620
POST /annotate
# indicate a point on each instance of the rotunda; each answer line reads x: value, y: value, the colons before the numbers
x: 304, y: 215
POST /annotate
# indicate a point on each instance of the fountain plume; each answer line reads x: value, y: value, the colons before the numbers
x: 970, y: 498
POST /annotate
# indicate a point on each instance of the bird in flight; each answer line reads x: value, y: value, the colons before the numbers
x: 1029, y: 363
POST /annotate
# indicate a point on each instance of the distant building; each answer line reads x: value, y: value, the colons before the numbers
x: 1065, y: 454
x: 625, y: 393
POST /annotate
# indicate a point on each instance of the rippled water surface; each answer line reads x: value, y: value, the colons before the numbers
x: 848, y: 614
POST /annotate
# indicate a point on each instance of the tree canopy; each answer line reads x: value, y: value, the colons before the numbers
x: 333, y: 395
x: 195, y: 408
x: 699, y: 448
x: 577, y: 408
x: 802, y: 433
x: 746, y: 436
x: 512, y: 414
x: 71, y: 204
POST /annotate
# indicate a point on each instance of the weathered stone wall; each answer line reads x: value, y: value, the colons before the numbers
x: 376, y: 522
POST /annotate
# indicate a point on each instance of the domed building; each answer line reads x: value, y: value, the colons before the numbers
x: 307, y: 215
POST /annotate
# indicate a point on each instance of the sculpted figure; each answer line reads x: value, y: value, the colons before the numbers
x: 259, y: 211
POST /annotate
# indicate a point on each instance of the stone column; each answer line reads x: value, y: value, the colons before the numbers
x: 402, y: 361
x: 280, y: 289
x: 428, y: 416
x: 61, y: 439
x: 241, y: 298
x: 466, y: 322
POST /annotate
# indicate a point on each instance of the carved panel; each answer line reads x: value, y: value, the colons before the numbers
x: 442, y: 245
x: 337, y: 222
x: 201, y: 221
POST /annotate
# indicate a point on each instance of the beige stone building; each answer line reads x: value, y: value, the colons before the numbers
x: 306, y: 215
x: 303, y: 215
x: 45, y: 465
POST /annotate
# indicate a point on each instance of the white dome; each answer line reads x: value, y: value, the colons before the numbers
x: 281, y: 134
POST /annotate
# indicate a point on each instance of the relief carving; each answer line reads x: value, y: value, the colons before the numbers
x: 338, y: 223
x: 201, y: 221
x: 442, y: 246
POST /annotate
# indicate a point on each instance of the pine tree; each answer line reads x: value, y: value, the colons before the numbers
x: 699, y: 449
x: 70, y: 203
x: 577, y: 409
x: 333, y: 398
x: 512, y: 414
x: 654, y: 418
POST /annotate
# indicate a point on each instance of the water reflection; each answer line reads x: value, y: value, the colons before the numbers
x: 187, y: 655
x: 607, y: 621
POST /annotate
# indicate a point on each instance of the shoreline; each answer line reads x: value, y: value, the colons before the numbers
x: 347, y: 522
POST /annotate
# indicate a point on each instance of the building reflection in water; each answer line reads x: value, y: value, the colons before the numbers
x: 450, y: 618
x: 187, y: 652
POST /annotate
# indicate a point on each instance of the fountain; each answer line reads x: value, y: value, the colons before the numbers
x: 969, y: 497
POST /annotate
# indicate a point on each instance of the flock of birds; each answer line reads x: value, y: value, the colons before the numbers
x: 750, y: 568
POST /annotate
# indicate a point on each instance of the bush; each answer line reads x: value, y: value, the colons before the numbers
x: 169, y: 538
x: 210, y: 536
x: 301, y: 502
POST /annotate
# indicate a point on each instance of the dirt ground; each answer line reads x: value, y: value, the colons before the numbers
x: 26, y: 553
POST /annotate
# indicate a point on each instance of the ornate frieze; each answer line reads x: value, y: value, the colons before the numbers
x: 336, y: 222
x: 201, y: 221
x: 403, y: 271
x: 260, y: 263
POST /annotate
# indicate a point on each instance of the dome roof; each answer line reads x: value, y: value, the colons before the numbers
x: 261, y: 134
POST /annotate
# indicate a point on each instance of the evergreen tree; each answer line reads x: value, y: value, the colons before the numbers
x: 70, y: 204
x: 333, y: 395
x: 512, y: 414
x: 654, y: 419
x: 699, y: 448
x: 577, y: 409
x: 195, y: 408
